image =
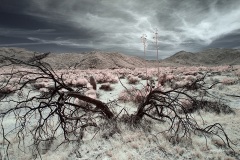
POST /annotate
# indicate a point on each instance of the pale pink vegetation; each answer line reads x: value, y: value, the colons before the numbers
x: 134, y: 95
x: 221, y: 68
x: 27, y: 77
x: 132, y: 79
x: 124, y: 96
x: 190, y: 78
x: 228, y: 81
x: 68, y: 81
x: 180, y: 84
x: 152, y: 72
x: 122, y: 72
x: 44, y: 90
x: 162, y: 79
x: 106, y: 77
x: 166, y: 78
x: 42, y: 83
x: 39, y: 85
x: 199, y: 76
x: 143, y: 76
x: 170, y: 77
x: 14, y: 80
x: 68, y: 78
x: 139, y: 96
x: 79, y: 82
x: 135, y: 72
x: 159, y: 87
x: 237, y: 72
x: 189, y: 70
x: 3, y: 79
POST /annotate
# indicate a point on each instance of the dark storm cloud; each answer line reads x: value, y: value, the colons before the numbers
x: 231, y: 40
x: 14, y: 6
x: 118, y: 25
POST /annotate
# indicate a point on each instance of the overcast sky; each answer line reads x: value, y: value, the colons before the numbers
x: 117, y: 25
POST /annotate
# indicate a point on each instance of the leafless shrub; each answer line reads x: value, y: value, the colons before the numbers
x: 208, y: 106
x: 167, y: 107
x: 39, y: 110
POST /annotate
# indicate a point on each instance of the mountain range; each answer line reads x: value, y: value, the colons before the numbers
x: 215, y: 56
x: 112, y: 60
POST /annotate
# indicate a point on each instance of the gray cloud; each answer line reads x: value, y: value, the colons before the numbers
x: 117, y: 25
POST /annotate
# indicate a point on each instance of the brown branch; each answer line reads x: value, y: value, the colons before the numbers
x: 99, y: 104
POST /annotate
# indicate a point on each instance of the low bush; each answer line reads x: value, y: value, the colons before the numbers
x: 132, y: 79
x: 134, y: 95
x: 106, y: 87
x: 229, y: 81
x: 80, y: 82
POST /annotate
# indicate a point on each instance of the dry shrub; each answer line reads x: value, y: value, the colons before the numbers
x: 7, y: 89
x: 110, y: 129
x: 237, y: 73
x: 106, y: 87
x: 132, y: 79
x: 187, y: 104
x: 219, y: 143
x: 190, y: 78
x: 194, y: 105
x: 106, y: 77
x: 39, y: 85
x: 135, y: 95
x: 44, y: 90
x: 162, y: 79
x: 229, y: 81
x: 144, y: 77
x: 124, y: 96
x: 80, y: 82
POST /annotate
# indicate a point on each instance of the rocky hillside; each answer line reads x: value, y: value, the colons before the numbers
x: 94, y: 59
x: 18, y: 53
x: 101, y: 60
x: 207, y: 57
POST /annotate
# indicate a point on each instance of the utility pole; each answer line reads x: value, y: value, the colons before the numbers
x: 144, y: 41
x: 156, y: 42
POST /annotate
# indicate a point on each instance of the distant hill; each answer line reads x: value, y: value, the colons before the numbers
x: 88, y: 60
x: 18, y: 53
x: 207, y: 57
x: 102, y: 60
x: 94, y: 59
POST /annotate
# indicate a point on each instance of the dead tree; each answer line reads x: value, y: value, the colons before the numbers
x: 175, y: 106
x: 46, y: 114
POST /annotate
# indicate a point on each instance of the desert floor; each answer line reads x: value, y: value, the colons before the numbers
x: 118, y: 140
